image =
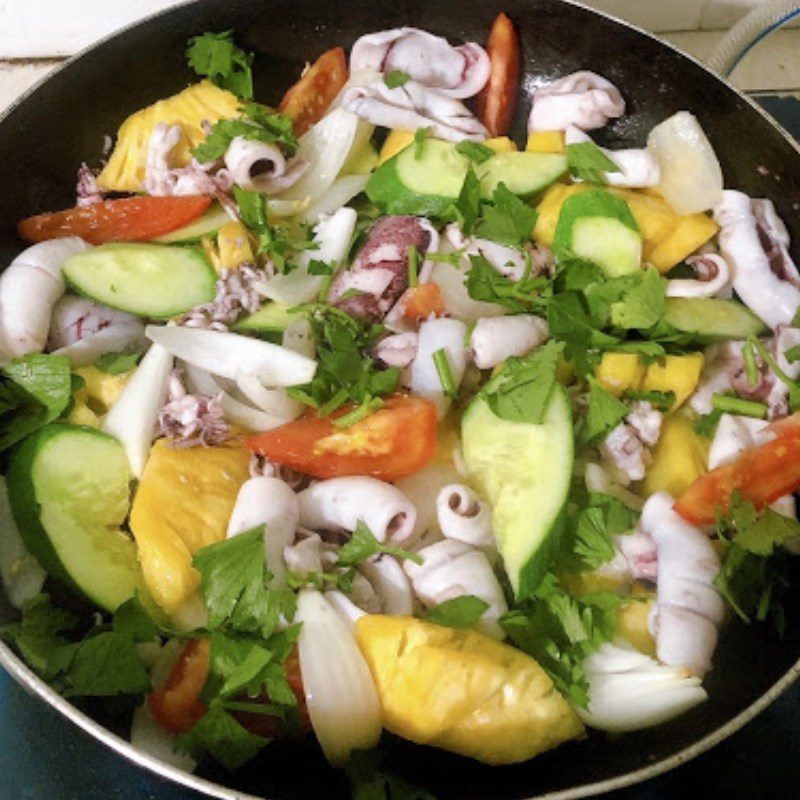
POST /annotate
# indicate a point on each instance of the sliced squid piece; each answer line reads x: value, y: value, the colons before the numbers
x: 413, y: 106
x: 341, y: 503
x: 261, y: 167
x: 29, y: 290
x: 463, y: 516
x: 689, y: 609
x: 495, y: 339
x: 638, y: 167
x: 398, y: 350
x: 305, y: 557
x: 772, y: 298
x: 422, y: 488
x: 272, y: 503
x: 629, y: 691
x: 713, y: 278
x: 451, y: 569
x: 434, y: 335
x: 582, y: 99
x: 775, y: 240
x: 430, y: 60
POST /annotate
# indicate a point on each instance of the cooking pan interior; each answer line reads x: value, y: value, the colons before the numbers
x: 64, y: 122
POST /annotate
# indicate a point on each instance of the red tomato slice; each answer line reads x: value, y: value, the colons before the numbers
x: 761, y: 474
x: 307, y: 101
x: 497, y: 100
x: 423, y: 301
x: 176, y: 705
x: 131, y: 219
x: 396, y: 440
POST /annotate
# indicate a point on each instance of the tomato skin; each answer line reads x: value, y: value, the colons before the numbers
x: 761, y: 475
x: 130, y: 219
x: 176, y: 705
x: 396, y: 440
x: 498, y: 99
x: 307, y: 101
x: 423, y: 301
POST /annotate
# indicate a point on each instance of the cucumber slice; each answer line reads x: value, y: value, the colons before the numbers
x: 206, y: 225
x: 151, y: 280
x: 525, y: 472
x: 599, y: 227
x: 524, y: 174
x: 270, y: 318
x: 711, y: 319
x: 69, y: 492
x: 428, y: 185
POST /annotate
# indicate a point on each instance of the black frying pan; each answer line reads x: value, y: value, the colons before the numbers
x: 46, y: 136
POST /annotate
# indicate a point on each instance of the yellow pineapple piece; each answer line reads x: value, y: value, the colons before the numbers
x: 183, y: 503
x: 99, y: 392
x: 689, y: 233
x: 500, y: 144
x: 546, y: 142
x: 463, y: 691
x: 200, y: 102
x: 233, y: 242
x: 618, y: 373
x: 680, y: 457
x: 396, y: 141
x: 633, y: 625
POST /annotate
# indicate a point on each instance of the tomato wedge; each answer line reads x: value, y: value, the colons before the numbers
x: 176, y: 705
x: 761, y: 474
x: 130, y: 219
x: 396, y: 440
x: 498, y: 99
x: 307, y: 101
x: 423, y: 301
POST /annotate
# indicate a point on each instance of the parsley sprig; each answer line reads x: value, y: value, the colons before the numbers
x: 216, y: 56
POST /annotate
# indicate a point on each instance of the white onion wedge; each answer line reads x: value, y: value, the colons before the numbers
x: 333, y: 235
x: 629, y: 691
x: 149, y: 737
x: 21, y: 573
x: 132, y: 419
x: 226, y: 354
x: 273, y: 401
x: 116, y: 339
x: 326, y: 147
x: 438, y: 334
x: 299, y: 336
x: 236, y: 412
x: 342, y: 701
x: 691, y: 177
x: 457, y: 301
x: 341, y: 192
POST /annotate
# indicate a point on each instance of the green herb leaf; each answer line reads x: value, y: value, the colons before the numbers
x: 521, y: 390
x: 117, y: 363
x: 363, y: 545
x: 663, y: 401
x: 395, y: 78
x: 706, y: 426
x: 219, y: 735
x: 105, y: 665
x: 214, y: 55
x: 587, y: 162
x: 316, y: 267
x: 604, y: 414
x: 467, y: 207
x: 370, y: 781
x: 475, y: 151
x: 642, y: 300
x: 458, y: 612
x: 485, y: 283
x: 509, y: 221
x: 420, y: 135
x: 131, y: 620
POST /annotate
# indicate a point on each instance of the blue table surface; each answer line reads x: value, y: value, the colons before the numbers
x: 45, y: 757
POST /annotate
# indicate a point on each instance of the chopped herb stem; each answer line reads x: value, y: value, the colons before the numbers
x: 358, y: 413
x: 335, y: 402
x: 736, y: 405
x: 413, y: 264
x: 442, y: 364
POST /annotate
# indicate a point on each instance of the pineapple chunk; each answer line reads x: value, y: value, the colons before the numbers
x: 200, y: 102
x: 396, y: 141
x: 680, y: 457
x: 688, y: 233
x: 183, y: 503
x: 633, y: 625
x: 233, y: 242
x: 546, y: 142
x: 98, y: 393
x: 500, y: 144
x: 618, y: 373
x: 463, y: 691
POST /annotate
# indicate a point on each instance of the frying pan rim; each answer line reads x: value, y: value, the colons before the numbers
x: 36, y: 686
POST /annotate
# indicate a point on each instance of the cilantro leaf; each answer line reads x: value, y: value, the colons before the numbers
x: 219, y: 735
x: 256, y: 122
x: 369, y: 780
x: 605, y: 412
x: 509, y: 221
x: 458, y: 612
x: 117, y: 363
x: 706, y: 426
x: 560, y: 631
x: 363, y: 545
x: 587, y: 162
x: 467, y: 206
x: 214, y: 55
x: 105, y: 665
x: 521, y: 390
x: 485, y: 283
x: 34, y: 390
x: 642, y: 302
x: 131, y: 620
x: 475, y: 151
x: 395, y: 78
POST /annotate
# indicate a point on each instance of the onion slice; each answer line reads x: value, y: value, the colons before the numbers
x: 226, y: 354
x: 342, y: 701
x: 273, y: 401
x: 341, y: 192
x: 132, y: 419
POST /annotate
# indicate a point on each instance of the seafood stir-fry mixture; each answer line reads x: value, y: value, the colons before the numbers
x: 353, y: 415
